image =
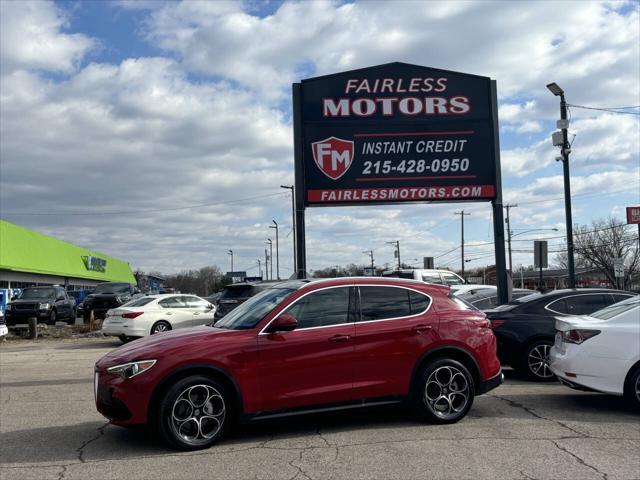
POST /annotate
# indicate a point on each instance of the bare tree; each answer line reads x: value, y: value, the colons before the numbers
x: 561, y: 260
x: 600, y: 243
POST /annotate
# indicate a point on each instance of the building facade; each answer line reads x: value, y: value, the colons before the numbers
x: 29, y: 258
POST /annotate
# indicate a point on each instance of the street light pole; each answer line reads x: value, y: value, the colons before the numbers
x: 462, y: 215
x: 293, y: 217
x: 270, y: 256
x: 565, y: 150
x: 230, y: 252
x: 397, y: 244
x: 266, y: 264
x: 259, y: 269
x: 508, y: 222
x: 275, y: 225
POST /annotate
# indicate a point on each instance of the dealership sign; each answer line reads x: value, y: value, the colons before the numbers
x: 396, y: 133
x: 94, y: 263
x: 633, y: 215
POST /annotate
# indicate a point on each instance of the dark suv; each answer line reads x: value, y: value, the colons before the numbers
x: 46, y: 304
x: 238, y: 293
x: 106, y: 296
x: 305, y: 347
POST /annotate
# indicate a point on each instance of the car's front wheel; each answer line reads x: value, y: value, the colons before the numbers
x: 194, y: 413
x: 53, y: 317
x: 632, y: 388
x: 445, y: 391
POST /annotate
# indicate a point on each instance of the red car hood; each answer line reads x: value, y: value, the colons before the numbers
x: 160, y: 345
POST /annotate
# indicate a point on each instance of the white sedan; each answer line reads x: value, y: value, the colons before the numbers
x: 155, y: 314
x: 601, y: 352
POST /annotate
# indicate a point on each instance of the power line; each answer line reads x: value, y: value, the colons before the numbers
x: 155, y: 210
x: 609, y: 109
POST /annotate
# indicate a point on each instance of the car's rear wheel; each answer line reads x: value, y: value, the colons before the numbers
x: 124, y: 338
x: 160, y: 327
x: 444, y: 392
x: 194, y: 413
x: 535, y: 362
x: 632, y: 388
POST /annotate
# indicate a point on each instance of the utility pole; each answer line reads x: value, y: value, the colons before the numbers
x: 230, y: 252
x: 397, y: 244
x: 293, y: 219
x: 259, y: 269
x: 508, y: 222
x: 565, y: 149
x: 370, y: 253
x: 462, y: 215
x: 270, y: 256
x: 275, y: 225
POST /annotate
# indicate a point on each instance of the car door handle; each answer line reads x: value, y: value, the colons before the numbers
x: 196, y: 313
x: 168, y: 313
x: 422, y: 328
x: 339, y: 338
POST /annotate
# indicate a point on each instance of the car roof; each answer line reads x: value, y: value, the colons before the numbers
x: 389, y: 281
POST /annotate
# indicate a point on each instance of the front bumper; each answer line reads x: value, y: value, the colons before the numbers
x: 486, y: 385
x: 122, y: 401
x: 14, y: 317
x: 3, y: 330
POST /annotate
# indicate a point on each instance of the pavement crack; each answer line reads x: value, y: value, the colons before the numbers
x: 81, y: 448
x: 62, y: 472
x: 327, y: 444
x: 527, y: 476
x: 531, y: 412
x: 299, y: 469
x: 579, y: 459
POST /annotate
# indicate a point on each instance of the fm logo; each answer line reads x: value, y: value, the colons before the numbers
x: 333, y: 156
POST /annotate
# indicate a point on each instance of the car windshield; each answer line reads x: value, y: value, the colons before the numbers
x: 37, y: 293
x: 617, y: 308
x: 236, y: 292
x: 249, y: 314
x: 112, y: 288
x: 518, y: 301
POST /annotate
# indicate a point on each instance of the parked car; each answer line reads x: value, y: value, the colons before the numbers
x: 46, y: 304
x: 106, y: 296
x: 155, y: 314
x: 486, y: 298
x: 601, y: 352
x: 442, y: 277
x: 237, y: 293
x: 3, y: 325
x: 300, y: 347
x: 525, y: 328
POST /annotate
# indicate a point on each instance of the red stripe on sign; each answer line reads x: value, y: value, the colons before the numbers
x: 412, y: 134
x: 386, y: 179
x: 400, y: 194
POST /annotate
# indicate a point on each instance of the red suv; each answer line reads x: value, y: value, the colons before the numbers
x: 305, y: 346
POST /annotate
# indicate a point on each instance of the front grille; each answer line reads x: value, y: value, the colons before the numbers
x: 24, y: 306
x: 2, y: 320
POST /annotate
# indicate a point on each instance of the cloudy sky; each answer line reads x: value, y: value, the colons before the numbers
x: 160, y: 132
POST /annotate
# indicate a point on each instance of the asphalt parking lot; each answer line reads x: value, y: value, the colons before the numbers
x: 50, y: 430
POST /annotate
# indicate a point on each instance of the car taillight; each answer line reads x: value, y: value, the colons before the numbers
x: 578, y: 335
x: 496, y: 323
x: 131, y: 314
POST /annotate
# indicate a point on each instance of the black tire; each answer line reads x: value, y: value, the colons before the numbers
x: 534, y: 363
x: 443, y: 379
x: 53, y: 317
x: 72, y: 317
x: 186, y: 405
x: 632, y: 388
x: 124, y: 339
x: 160, y: 327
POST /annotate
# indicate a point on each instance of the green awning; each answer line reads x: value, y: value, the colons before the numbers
x: 23, y: 250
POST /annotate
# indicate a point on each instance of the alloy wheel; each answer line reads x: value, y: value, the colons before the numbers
x: 198, y: 414
x: 446, y: 392
x: 538, y: 361
x: 161, y: 327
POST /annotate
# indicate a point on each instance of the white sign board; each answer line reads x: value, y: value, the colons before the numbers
x: 618, y: 267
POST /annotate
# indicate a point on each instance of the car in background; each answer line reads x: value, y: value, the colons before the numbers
x: 213, y: 298
x: 236, y: 294
x: 486, y: 297
x: 525, y: 327
x: 156, y: 314
x: 601, y: 352
x: 45, y: 304
x: 106, y: 296
x: 3, y: 325
x: 302, y: 347
x: 442, y: 277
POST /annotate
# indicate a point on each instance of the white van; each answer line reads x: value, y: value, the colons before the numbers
x: 443, y: 277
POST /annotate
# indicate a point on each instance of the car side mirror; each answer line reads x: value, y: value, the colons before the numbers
x: 284, y: 323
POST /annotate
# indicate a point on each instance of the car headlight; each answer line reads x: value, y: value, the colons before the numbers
x: 44, y: 306
x: 131, y: 369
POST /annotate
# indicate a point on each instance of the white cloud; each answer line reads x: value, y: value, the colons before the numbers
x: 31, y: 37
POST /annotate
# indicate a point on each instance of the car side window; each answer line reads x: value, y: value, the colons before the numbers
x: 172, y: 302
x: 559, y: 306
x: 451, y: 279
x: 322, y: 308
x: 379, y: 303
x: 586, y: 304
x: 431, y: 278
x: 195, y: 302
x: 618, y: 297
x: 419, y: 302
x: 485, y: 303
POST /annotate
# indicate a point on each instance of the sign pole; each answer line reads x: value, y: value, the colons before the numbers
x: 299, y: 191
x: 496, y: 204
